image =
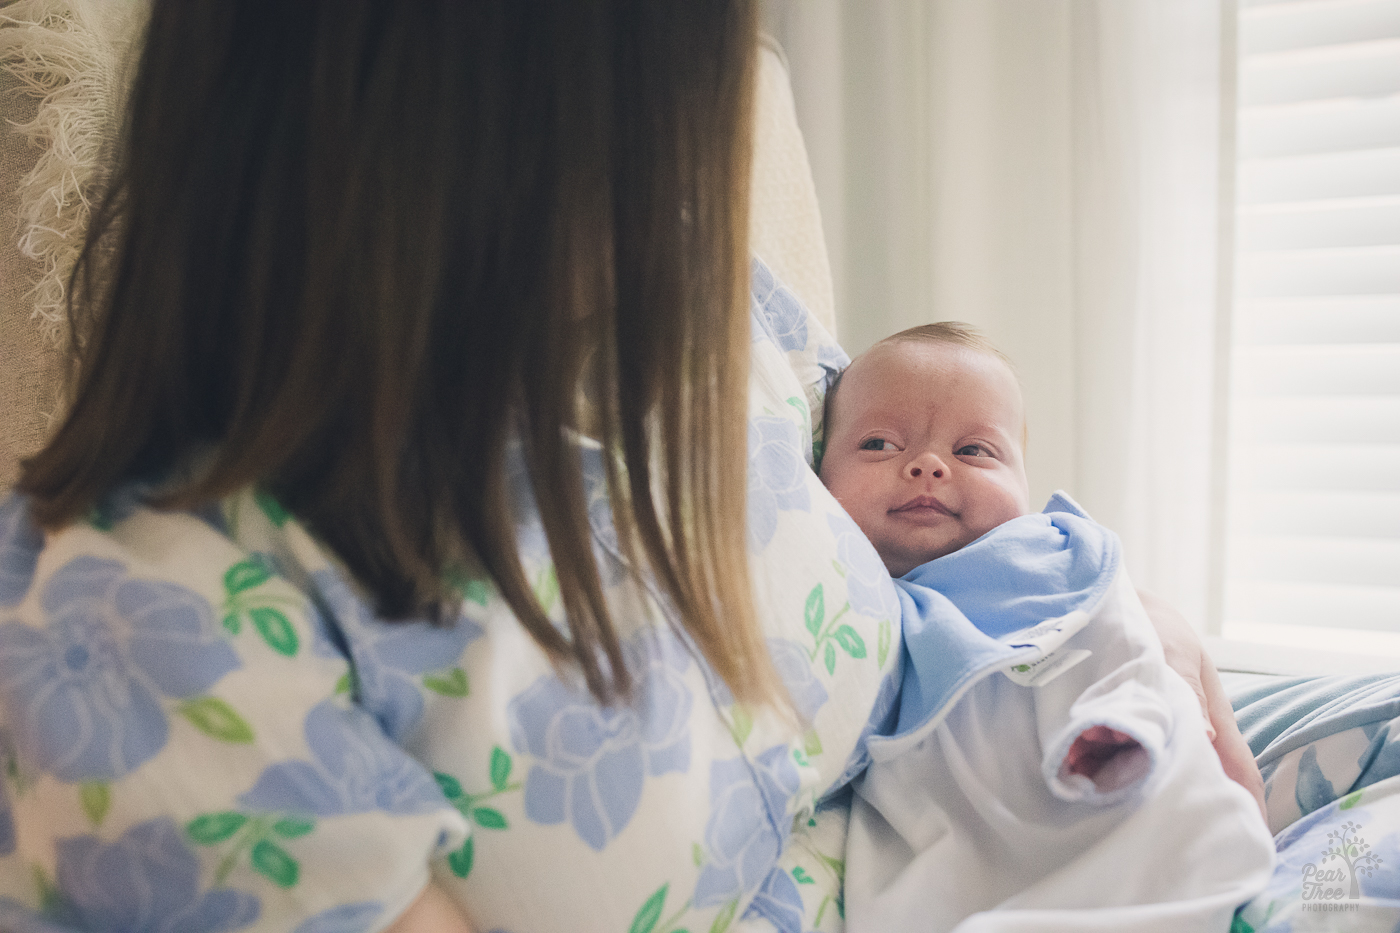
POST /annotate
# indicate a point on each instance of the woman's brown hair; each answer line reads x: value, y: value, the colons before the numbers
x: 358, y: 247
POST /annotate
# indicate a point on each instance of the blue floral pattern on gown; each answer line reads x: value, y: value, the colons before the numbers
x: 96, y: 678
x: 776, y: 476
x: 740, y: 838
x: 356, y: 769
x: 390, y: 659
x: 778, y: 902
x: 589, y: 762
x: 346, y: 918
x: 147, y: 880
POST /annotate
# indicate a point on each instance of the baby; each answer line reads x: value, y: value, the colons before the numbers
x: 1046, y: 769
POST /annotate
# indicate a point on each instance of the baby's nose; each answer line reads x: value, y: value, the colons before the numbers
x: 926, y: 462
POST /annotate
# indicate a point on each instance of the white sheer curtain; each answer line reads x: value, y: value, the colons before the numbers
x: 1049, y: 170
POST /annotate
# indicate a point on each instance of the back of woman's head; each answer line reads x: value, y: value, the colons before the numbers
x: 355, y: 247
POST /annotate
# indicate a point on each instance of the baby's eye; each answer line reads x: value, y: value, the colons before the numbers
x: 876, y: 443
x: 972, y: 450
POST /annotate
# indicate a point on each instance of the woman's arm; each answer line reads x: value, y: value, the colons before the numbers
x: 434, y: 912
x: 1187, y: 657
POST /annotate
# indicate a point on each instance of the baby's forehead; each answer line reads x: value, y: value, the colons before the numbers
x: 932, y: 362
x: 894, y: 375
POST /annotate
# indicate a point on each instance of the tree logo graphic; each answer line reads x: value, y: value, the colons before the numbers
x: 1345, y: 847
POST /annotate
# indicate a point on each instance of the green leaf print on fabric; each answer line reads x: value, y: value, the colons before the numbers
x: 469, y: 805
x: 212, y: 828
x: 477, y: 592
x: 833, y: 883
x: 97, y: 799
x: 470, y: 588
x: 272, y: 862
x: 346, y: 683
x: 725, y: 917
x: 850, y: 642
x: 252, y: 835
x: 815, y: 612
x: 650, y: 914
x: 1350, y: 800
x: 271, y: 508
x: 291, y: 827
x: 1240, y: 926
x: 461, y: 861
x: 547, y: 588
x: 451, y: 787
x: 450, y: 683
x: 245, y: 575
x: 217, y: 719
x: 882, y: 646
x: 649, y: 919
x: 275, y: 629
x: 827, y: 635
x: 488, y: 818
x: 500, y: 768
x: 260, y: 610
x: 741, y: 724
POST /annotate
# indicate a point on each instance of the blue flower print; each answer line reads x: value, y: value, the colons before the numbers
x: 778, y: 902
x: 748, y: 802
x: 776, y: 309
x: 356, y: 770
x: 390, y: 657
x: 346, y: 918
x: 89, y: 685
x: 868, y: 584
x: 145, y: 882
x: 20, y: 541
x: 777, y: 477
x: 799, y: 676
x: 590, y: 761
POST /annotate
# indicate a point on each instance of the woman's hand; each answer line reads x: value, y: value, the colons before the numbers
x: 1186, y: 656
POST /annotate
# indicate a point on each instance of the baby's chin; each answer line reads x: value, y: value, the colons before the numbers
x: 900, y: 564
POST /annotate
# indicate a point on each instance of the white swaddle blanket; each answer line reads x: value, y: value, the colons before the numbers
x: 971, y: 816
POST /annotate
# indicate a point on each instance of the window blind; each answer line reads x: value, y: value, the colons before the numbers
x: 1313, y: 522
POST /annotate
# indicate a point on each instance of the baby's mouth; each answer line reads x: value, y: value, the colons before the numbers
x: 922, y: 505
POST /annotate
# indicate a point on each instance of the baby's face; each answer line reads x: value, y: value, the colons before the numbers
x: 924, y: 450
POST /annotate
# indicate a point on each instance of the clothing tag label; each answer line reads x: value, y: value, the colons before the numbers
x: 1048, y: 637
x: 1040, y: 672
